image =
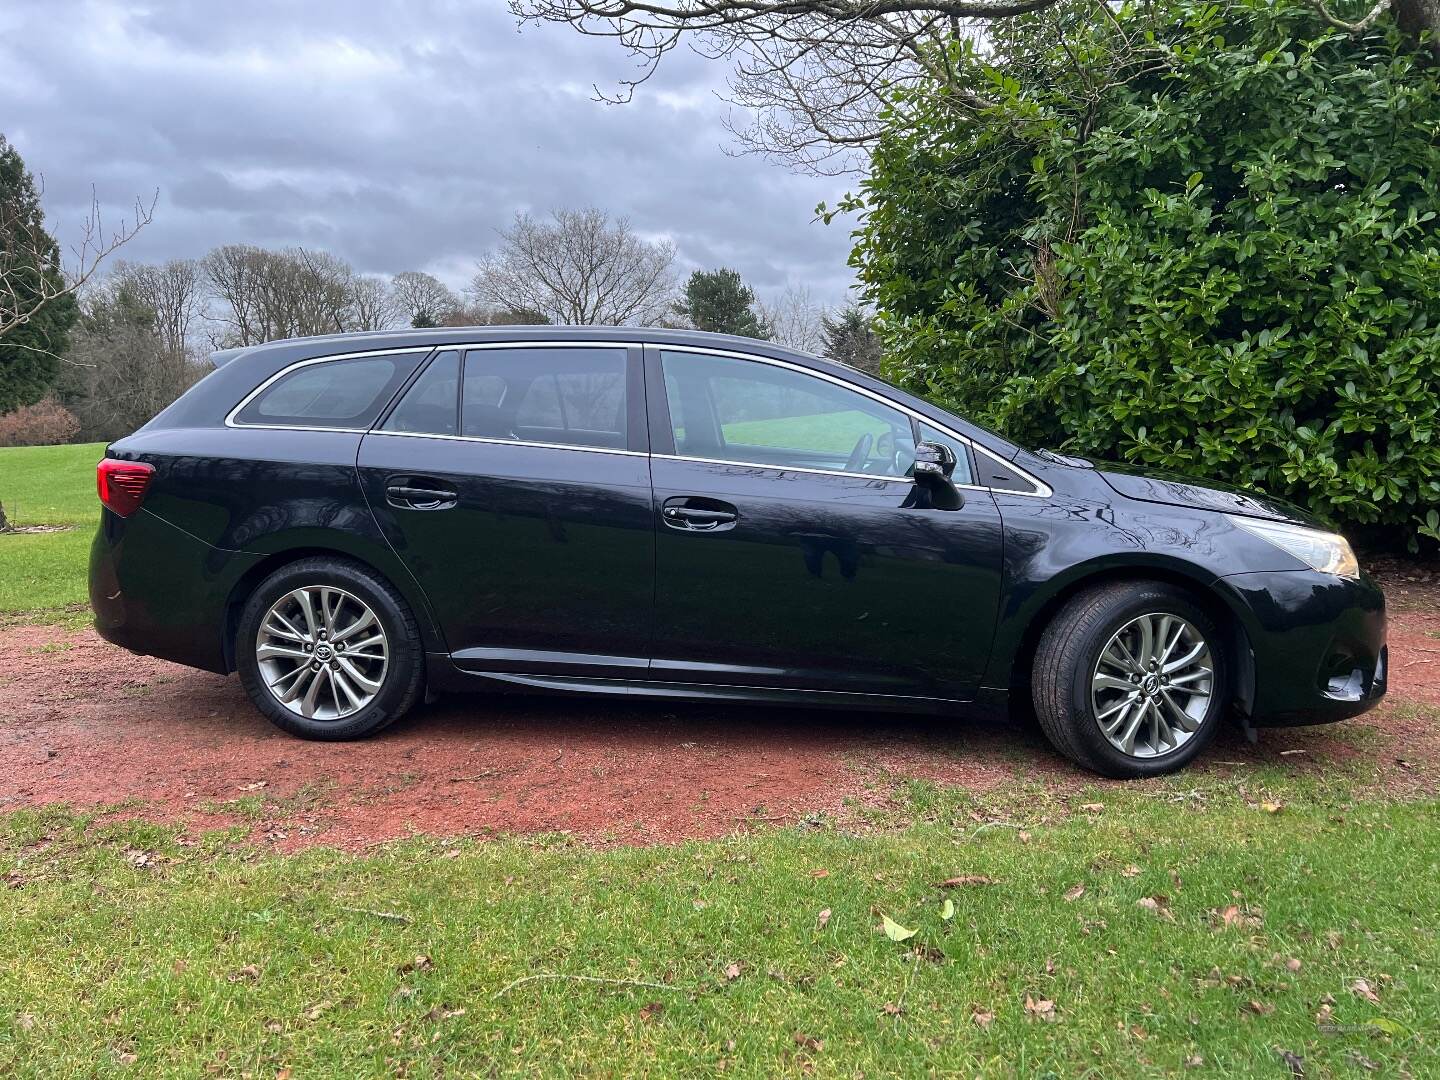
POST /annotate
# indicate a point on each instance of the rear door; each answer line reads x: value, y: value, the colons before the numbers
x: 513, y: 480
x: 789, y: 550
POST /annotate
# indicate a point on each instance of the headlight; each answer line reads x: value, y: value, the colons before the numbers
x: 1330, y: 553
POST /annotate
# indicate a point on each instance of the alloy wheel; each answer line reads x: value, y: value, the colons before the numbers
x: 322, y: 652
x: 1152, y: 685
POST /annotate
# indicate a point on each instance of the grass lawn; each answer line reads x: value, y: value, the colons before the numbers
x: 1125, y: 942
x: 43, y: 574
x: 834, y: 432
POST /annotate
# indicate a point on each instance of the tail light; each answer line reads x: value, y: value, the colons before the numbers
x: 122, y: 484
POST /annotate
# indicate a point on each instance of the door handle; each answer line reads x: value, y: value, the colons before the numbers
x: 698, y: 514
x: 413, y: 496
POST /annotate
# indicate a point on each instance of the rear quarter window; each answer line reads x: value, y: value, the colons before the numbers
x: 343, y: 394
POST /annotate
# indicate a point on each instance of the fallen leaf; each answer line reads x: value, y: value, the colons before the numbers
x: 823, y: 919
x: 1023, y: 836
x: 650, y: 1010
x: 964, y: 880
x: 1093, y: 807
x: 1040, y: 1008
x: 1075, y: 892
x: 283, y: 1074
x: 314, y: 1012
x: 1233, y: 915
x: 1272, y: 807
x: 1194, y: 1061
x: 819, y: 873
x: 1260, y: 1008
x: 1131, y: 871
x: 1388, y: 1026
x: 248, y: 973
x: 253, y: 787
x: 1362, y: 988
x: 894, y: 931
x: 25, y: 1021
x: 890, y: 1008
x: 809, y: 1042
x: 1156, y: 904
x: 981, y: 1017
x: 947, y: 909
x: 1293, y: 964
x: 1333, y: 938
x: 732, y: 971
x: 420, y: 963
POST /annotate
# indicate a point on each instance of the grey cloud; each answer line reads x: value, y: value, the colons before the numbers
x: 400, y: 135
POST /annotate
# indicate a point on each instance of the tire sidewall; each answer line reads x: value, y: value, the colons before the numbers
x: 1109, y: 760
x: 403, y: 667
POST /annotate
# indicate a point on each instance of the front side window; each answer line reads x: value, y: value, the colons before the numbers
x: 344, y: 394
x: 565, y: 396
x: 746, y: 411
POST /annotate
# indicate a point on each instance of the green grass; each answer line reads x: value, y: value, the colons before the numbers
x: 131, y: 950
x: 835, y: 432
x: 50, y: 485
x: 43, y: 575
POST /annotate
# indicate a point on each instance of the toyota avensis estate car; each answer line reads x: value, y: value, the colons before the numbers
x: 353, y: 522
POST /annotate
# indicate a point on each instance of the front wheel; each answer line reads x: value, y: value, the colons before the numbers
x: 1130, y: 678
x: 329, y: 650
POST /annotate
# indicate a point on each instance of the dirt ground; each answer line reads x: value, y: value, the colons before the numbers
x: 87, y: 724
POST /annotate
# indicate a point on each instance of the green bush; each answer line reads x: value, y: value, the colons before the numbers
x: 1209, y: 245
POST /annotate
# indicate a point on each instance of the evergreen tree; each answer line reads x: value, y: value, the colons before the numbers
x: 29, y: 272
x: 851, y: 339
x: 720, y: 302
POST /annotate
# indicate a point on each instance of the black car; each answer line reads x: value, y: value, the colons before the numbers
x: 353, y: 522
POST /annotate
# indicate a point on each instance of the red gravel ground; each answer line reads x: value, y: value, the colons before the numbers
x: 86, y: 724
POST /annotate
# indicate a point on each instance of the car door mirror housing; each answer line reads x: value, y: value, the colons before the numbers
x: 934, y: 465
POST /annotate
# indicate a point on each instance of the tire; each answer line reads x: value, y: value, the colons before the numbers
x: 343, y: 706
x: 1077, y: 696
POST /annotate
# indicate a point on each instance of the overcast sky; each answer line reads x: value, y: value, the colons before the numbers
x: 399, y: 134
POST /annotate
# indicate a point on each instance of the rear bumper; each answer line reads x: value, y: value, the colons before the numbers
x: 158, y: 591
x: 1315, y: 642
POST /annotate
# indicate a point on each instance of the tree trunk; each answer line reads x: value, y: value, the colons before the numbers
x: 4, y: 525
x: 1417, y: 16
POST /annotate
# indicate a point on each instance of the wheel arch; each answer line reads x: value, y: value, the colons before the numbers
x: 250, y: 580
x: 1193, y: 581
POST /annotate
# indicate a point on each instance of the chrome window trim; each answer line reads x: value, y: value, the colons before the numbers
x: 806, y: 469
x: 230, y: 421
x: 1042, y: 490
x: 506, y: 442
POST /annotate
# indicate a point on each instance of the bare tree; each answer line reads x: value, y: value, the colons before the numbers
x: 579, y: 268
x: 423, y: 299
x: 794, y: 319
x: 372, y: 305
x: 266, y: 295
x: 812, y: 78
x: 26, y: 245
x: 173, y: 291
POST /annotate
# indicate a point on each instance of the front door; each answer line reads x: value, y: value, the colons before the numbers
x: 788, y: 552
x: 514, y: 483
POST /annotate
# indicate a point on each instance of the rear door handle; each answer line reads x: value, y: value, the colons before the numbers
x: 414, y: 493
x: 698, y: 514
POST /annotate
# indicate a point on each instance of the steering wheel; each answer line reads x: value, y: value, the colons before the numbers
x: 861, y: 453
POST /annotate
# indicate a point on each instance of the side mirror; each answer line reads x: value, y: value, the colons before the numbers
x: 934, y: 465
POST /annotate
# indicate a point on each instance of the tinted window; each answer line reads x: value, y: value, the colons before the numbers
x: 962, y: 474
x: 569, y: 396
x: 743, y: 410
x: 333, y: 394
x: 431, y: 404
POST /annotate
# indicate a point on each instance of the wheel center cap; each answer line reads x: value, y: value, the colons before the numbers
x: 322, y: 652
x: 1150, y: 684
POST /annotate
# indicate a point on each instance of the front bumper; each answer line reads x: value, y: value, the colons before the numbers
x: 1313, y: 645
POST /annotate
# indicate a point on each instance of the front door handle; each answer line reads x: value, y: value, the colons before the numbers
x: 418, y: 493
x: 696, y: 514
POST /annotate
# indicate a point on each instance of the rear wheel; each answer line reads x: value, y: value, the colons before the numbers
x: 329, y: 650
x: 1129, y: 679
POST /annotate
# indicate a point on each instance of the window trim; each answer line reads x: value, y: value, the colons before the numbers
x: 231, y: 422
x: 1042, y: 490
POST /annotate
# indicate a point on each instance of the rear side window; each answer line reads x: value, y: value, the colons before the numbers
x: 431, y: 405
x: 565, y: 396
x: 344, y: 394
